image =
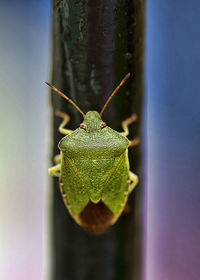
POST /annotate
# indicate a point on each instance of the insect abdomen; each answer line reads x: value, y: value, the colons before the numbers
x: 96, y: 218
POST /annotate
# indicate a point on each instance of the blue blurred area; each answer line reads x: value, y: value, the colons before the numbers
x: 173, y: 195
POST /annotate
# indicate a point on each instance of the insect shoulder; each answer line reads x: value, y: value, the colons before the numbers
x: 106, y: 143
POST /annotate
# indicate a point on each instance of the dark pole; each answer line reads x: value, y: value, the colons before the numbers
x: 95, y: 44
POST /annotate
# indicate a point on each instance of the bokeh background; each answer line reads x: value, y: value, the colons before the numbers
x: 24, y: 66
x: 171, y: 137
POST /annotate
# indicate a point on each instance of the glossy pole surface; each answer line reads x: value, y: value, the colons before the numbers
x: 95, y: 44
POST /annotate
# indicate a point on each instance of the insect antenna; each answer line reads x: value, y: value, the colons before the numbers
x: 64, y: 96
x: 117, y: 88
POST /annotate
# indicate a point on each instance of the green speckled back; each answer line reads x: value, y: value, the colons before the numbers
x: 95, y: 180
x: 106, y: 143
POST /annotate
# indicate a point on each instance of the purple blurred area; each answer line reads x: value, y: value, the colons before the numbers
x: 173, y: 136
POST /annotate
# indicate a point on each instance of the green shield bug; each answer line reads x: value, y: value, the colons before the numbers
x: 93, y: 168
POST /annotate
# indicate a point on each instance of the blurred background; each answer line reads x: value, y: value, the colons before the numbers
x: 171, y: 135
x: 24, y: 56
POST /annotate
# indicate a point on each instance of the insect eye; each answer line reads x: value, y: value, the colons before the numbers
x: 82, y: 125
x: 103, y: 124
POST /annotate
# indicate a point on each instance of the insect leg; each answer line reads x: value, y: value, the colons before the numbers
x: 57, y: 159
x: 133, y: 181
x: 126, y: 123
x: 66, y: 119
x: 134, y: 142
x: 55, y: 170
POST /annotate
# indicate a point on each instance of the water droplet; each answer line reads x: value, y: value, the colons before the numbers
x: 128, y: 55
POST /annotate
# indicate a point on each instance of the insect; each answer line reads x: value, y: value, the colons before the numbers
x: 93, y: 168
